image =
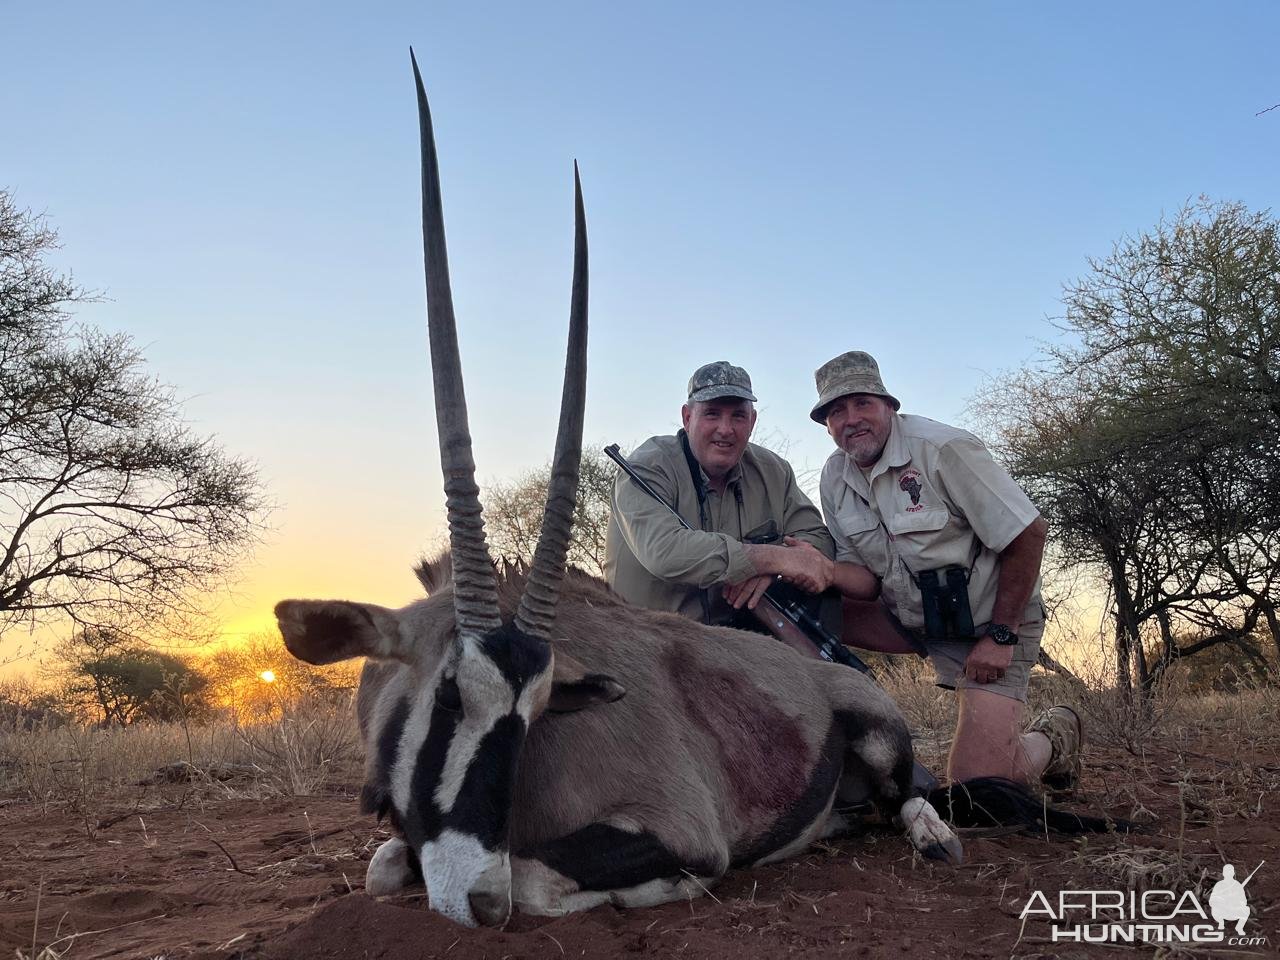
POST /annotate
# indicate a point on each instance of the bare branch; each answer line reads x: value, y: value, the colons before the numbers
x: 109, y: 505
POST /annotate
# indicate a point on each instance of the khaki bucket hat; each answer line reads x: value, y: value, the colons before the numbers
x: 852, y: 372
x: 719, y: 379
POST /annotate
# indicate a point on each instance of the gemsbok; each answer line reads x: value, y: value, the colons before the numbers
x: 538, y: 743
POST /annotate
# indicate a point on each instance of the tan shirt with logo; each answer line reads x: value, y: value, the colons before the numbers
x: 934, y: 499
x: 652, y: 562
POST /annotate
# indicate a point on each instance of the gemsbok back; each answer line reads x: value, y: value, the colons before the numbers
x: 538, y: 743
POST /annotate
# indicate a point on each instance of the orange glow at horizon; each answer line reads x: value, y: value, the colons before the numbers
x: 303, y: 568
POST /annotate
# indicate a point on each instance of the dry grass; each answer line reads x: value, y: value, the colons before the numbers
x: 1177, y: 743
x: 305, y: 746
x: 930, y: 710
x: 1248, y: 715
x: 87, y: 769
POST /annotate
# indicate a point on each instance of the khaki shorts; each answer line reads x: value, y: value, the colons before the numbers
x: 948, y: 656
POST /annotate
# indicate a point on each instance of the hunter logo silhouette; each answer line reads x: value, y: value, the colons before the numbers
x: 1227, y: 900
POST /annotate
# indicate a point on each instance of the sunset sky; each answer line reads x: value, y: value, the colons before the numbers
x: 770, y: 184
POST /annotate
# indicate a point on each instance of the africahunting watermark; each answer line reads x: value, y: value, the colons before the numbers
x: 1152, y: 916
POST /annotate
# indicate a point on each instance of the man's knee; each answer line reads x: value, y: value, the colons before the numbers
x: 989, y: 711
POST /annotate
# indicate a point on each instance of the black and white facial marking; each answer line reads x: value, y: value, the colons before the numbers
x: 451, y: 769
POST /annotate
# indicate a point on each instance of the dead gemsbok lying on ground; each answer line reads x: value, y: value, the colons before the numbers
x: 538, y: 743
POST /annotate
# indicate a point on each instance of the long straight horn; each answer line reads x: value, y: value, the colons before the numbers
x: 475, y: 597
x: 537, y: 607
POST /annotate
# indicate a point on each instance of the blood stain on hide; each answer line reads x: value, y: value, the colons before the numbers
x: 763, y: 753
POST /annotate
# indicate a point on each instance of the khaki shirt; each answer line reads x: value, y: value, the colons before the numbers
x: 934, y: 499
x: 651, y: 561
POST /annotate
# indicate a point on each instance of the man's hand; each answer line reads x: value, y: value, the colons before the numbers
x: 796, y: 562
x: 747, y: 592
x: 987, y: 661
x: 806, y: 566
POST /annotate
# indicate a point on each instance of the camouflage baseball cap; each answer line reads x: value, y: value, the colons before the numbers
x: 719, y: 379
x: 852, y: 372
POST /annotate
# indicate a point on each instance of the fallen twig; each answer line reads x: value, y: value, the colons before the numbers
x: 553, y: 940
x: 234, y: 866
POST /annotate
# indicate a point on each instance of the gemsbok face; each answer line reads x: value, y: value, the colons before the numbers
x: 449, y: 741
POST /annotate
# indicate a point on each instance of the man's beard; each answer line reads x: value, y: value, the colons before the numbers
x: 865, y: 450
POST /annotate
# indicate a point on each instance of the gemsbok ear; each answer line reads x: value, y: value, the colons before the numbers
x: 326, y: 631
x: 573, y: 688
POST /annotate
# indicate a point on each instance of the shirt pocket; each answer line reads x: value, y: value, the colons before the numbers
x: 922, y: 521
x: 859, y: 529
x: 922, y: 538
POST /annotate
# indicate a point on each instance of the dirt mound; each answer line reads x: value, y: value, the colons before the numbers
x: 117, y: 906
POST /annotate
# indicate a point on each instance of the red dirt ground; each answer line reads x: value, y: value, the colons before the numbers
x: 283, y: 879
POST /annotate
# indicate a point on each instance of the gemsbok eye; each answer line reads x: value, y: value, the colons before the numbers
x: 447, y: 696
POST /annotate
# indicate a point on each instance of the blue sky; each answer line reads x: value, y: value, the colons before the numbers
x: 765, y: 183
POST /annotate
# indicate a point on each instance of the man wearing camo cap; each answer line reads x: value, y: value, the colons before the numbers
x: 938, y: 552
x: 729, y: 491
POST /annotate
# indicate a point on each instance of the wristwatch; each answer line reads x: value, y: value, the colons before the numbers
x: 1002, y: 635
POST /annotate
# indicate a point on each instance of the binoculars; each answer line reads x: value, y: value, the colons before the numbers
x: 945, y: 597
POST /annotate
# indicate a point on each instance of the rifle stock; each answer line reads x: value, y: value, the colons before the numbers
x: 783, y: 629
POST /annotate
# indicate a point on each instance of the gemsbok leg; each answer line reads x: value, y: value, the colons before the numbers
x: 602, y: 864
x: 879, y: 749
x: 392, y: 868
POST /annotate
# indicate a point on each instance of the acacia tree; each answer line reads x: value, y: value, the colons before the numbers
x: 513, y: 512
x: 1151, y: 440
x: 110, y: 507
x: 119, y: 680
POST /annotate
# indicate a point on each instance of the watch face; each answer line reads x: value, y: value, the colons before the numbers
x: 1002, y: 635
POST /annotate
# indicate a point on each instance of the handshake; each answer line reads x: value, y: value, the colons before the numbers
x: 797, y: 562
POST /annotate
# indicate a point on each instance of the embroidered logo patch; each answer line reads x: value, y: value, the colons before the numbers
x: 909, y: 483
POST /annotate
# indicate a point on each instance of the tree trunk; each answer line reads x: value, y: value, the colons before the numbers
x: 1273, y: 623
x: 1128, y: 643
x: 1124, y: 666
x: 1049, y: 663
x: 1144, y: 675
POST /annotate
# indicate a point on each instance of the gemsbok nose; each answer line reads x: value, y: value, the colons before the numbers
x: 490, y: 909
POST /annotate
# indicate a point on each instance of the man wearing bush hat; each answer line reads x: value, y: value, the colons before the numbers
x: 731, y: 492
x: 935, y: 537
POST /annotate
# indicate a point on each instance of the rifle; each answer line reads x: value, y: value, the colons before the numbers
x: 785, y: 618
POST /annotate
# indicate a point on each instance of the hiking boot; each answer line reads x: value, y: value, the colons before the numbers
x: 1065, y: 730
